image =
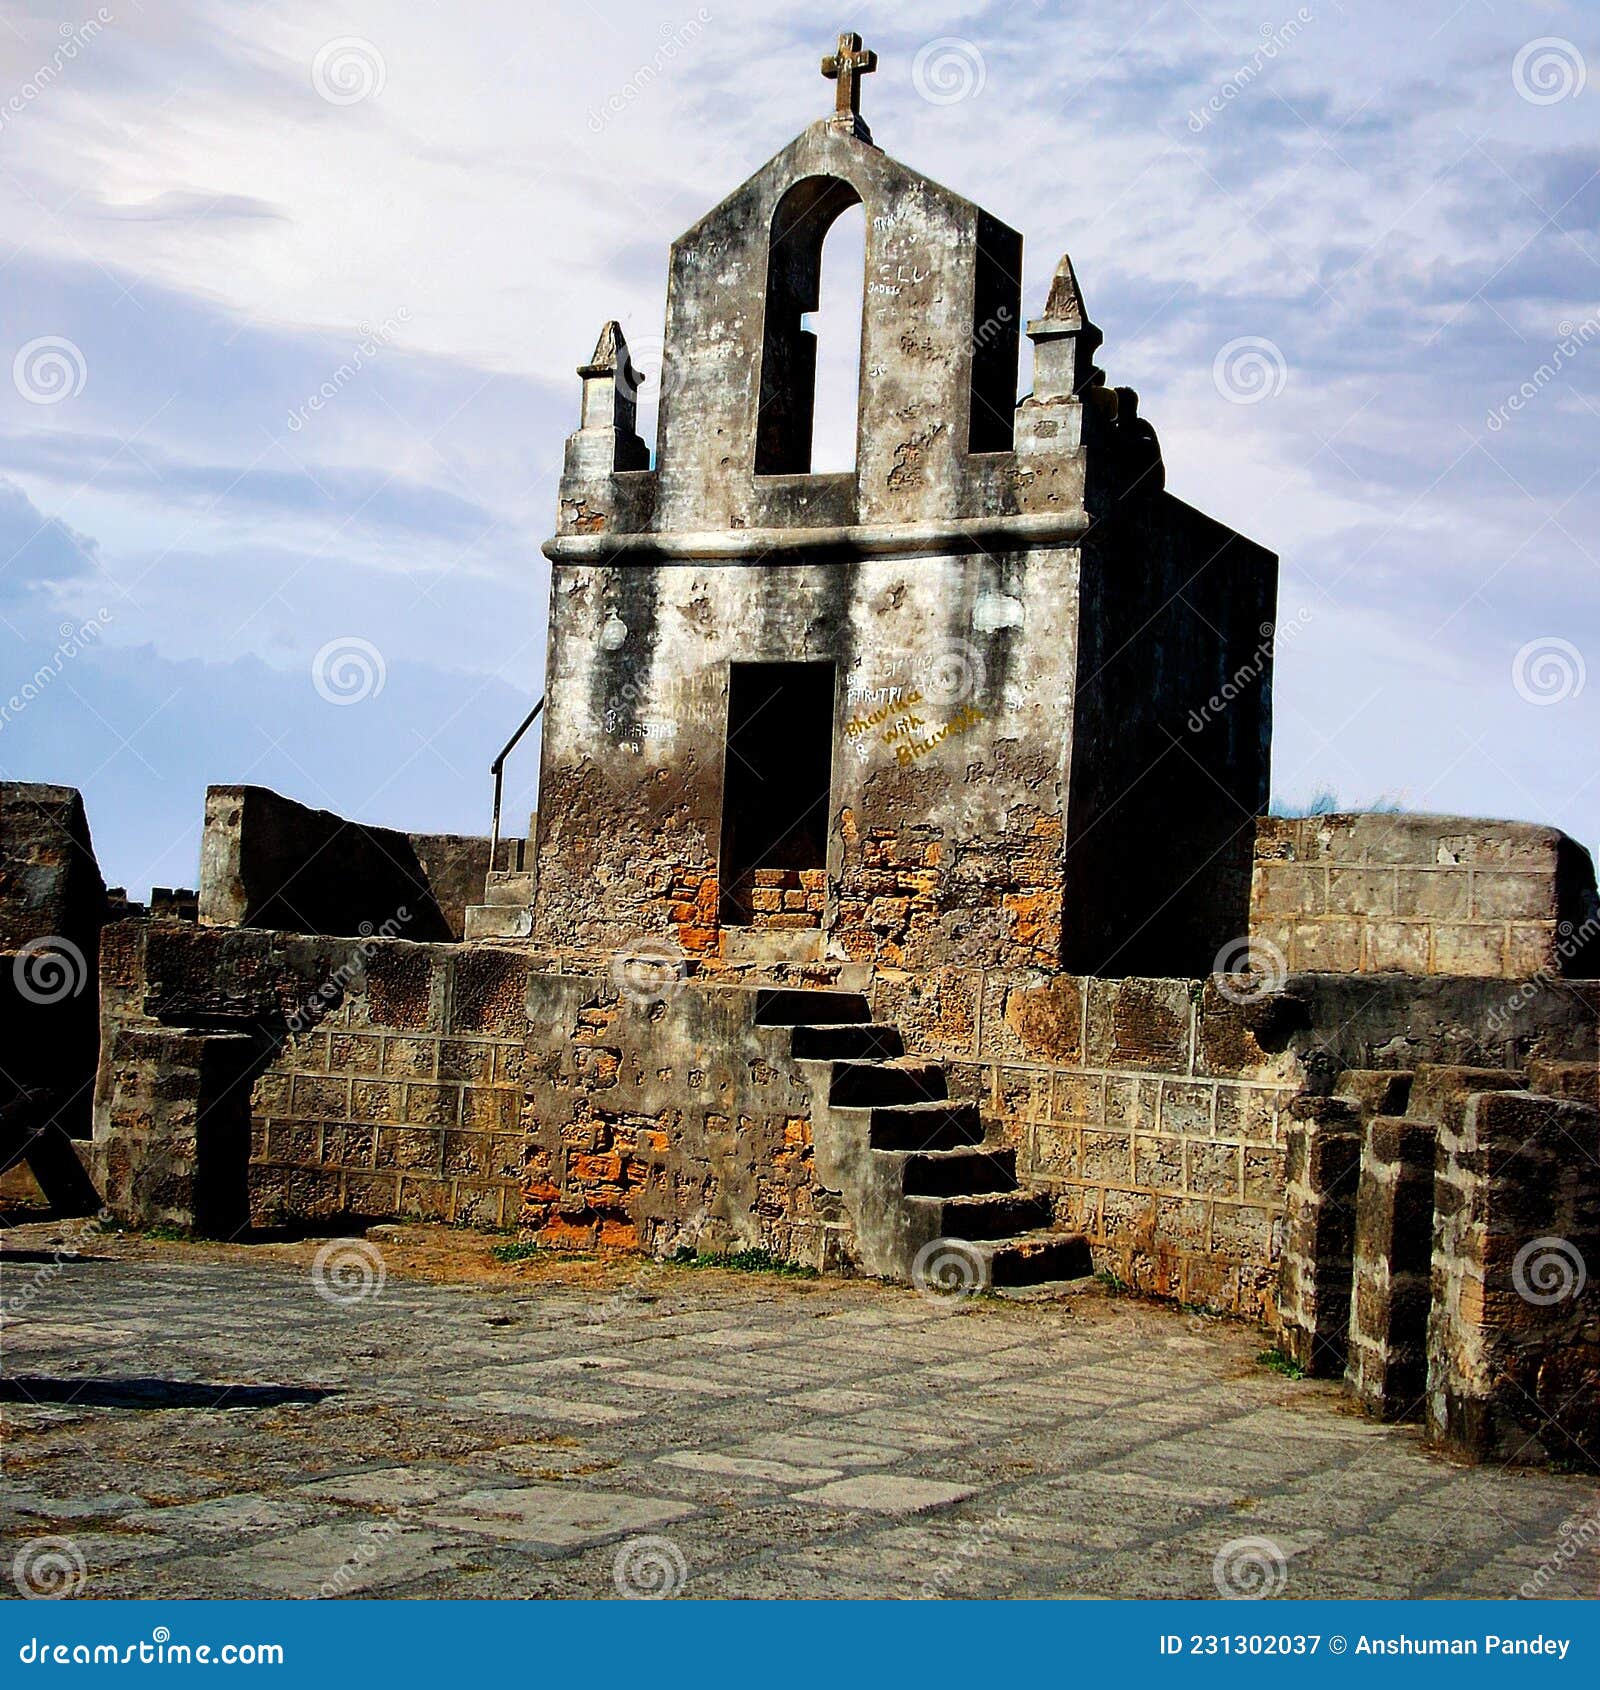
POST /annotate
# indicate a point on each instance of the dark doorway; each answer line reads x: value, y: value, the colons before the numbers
x: 776, y: 777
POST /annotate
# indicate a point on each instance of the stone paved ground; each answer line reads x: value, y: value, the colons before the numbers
x: 200, y: 1421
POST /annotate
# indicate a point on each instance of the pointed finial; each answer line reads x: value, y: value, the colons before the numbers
x: 1064, y: 339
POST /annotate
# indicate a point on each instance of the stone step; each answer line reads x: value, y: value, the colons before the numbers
x: 965, y: 1172
x: 977, y: 1218
x: 503, y: 887
x: 498, y: 921
x: 1034, y: 1258
x: 848, y: 1039
x: 923, y: 1126
x: 780, y: 1006
x: 1579, y: 1081
x: 902, y: 1080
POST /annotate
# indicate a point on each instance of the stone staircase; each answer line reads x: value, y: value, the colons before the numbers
x: 507, y: 908
x: 931, y: 1202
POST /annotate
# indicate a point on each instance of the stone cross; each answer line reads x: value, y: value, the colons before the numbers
x: 847, y: 67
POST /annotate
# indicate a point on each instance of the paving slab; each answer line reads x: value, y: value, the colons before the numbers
x: 887, y: 1492
x: 553, y: 1515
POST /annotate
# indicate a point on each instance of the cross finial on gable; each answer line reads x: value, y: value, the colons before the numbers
x: 846, y: 67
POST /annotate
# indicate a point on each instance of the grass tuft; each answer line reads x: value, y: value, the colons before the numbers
x: 743, y: 1261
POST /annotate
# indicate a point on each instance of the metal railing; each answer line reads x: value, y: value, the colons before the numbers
x: 497, y: 769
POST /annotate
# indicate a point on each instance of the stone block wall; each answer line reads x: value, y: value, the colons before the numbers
x: 1315, y: 1274
x: 1151, y: 1109
x: 788, y: 897
x: 266, y: 861
x: 53, y: 904
x: 1514, y: 1330
x: 381, y: 1079
x: 1354, y: 894
x: 405, y: 1100
x: 176, y: 1137
x: 1390, y: 1290
x: 653, y: 1124
x: 1158, y: 1111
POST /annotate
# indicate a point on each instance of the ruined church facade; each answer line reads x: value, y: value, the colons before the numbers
x: 937, y: 708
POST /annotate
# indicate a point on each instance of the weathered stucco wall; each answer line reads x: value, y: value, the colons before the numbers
x: 953, y: 850
x: 1426, y: 895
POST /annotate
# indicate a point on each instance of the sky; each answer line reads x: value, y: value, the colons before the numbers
x: 1349, y: 255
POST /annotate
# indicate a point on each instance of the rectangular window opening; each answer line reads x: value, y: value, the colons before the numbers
x: 996, y: 317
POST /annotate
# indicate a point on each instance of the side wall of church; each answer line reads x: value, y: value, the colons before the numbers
x: 1173, y: 741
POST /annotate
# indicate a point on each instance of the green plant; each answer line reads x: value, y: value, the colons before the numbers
x: 519, y: 1251
x: 1280, y: 1363
x: 743, y: 1261
x: 1115, y: 1285
x: 164, y: 1234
